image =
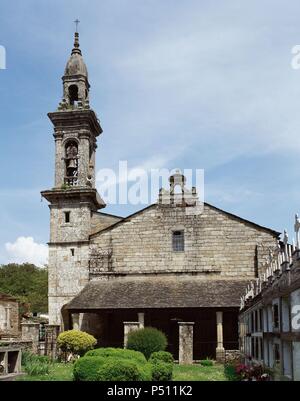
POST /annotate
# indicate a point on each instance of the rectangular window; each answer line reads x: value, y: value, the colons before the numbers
x: 178, y: 241
x: 67, y: 217
x: 72, y: 251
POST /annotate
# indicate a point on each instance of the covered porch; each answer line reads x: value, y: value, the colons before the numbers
x: 179, y: 308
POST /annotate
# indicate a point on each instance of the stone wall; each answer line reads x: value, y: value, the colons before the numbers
x: 9, y: 318
x: 215, y: 243
x: 68, y: 274
x: 102, y: 220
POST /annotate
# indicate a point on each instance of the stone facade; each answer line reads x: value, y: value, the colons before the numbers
x: 9, y: 316
x: 216, y: 243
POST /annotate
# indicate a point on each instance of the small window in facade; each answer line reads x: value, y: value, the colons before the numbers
x: 178, y: 241
x: 72, y: 251
x: 67, y: 217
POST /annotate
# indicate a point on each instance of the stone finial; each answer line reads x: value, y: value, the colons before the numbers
x: 285, y: 241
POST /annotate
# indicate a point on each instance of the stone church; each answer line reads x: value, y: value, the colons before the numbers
x: 161, y: 267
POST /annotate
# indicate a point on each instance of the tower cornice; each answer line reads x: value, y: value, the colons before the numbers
x: 76, y: 119
x: 81, y: 194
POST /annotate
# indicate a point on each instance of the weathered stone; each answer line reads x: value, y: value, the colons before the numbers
x: 186, y: 338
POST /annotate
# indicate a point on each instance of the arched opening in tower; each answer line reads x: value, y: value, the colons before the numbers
x: 71, y: 159
x: 73, y: 94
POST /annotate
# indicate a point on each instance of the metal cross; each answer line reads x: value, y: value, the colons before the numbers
x: 76, y: 23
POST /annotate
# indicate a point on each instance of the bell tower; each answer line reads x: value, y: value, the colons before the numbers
x: 74, y: 198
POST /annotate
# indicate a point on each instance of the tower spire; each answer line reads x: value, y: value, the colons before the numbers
x: 76, y: 48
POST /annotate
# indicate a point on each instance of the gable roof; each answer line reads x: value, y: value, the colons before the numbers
x: 231, y: 215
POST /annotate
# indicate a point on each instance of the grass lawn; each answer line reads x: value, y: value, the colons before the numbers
x: 199, y: 373
x: 57, y: 372
x: 63, y: 372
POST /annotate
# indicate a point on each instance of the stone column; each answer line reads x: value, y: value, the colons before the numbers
x: 128, y: 328
x: 31, y: 332
x: 186, y: 336
x: 141, y: 319
x: 220, y: 351
x: 75, y: 321
x: 51, y: 334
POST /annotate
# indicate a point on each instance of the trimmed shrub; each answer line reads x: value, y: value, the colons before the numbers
x: 147, y: 341
x: 119, y: 353
x: 75, y: 342
x: 161, y: 371
x: 119, y: 370
x: 206, y: 362
x: 162, y: 356
x: 86, y: 368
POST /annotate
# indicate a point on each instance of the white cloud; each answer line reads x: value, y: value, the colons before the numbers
x: 25, y: 249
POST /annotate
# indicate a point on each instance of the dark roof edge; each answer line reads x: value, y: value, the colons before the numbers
x: 277, y: 233
x: 124, y: 219
x: 109, y: 214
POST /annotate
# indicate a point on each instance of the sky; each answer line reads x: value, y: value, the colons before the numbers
x: 176, y: 84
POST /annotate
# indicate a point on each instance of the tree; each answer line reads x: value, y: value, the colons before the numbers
x: 28, y: 283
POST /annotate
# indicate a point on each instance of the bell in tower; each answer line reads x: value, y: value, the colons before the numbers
x: 71, y: 160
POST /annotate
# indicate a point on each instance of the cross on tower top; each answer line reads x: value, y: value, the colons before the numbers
x: 76, y: 24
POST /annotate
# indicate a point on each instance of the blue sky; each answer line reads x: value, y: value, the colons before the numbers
x: 188, y: 84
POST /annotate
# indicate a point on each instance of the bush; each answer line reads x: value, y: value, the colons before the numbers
x: 206, y: 362
x: 230, y: 372
x: 86, y: 368
x: 162, y: 356
x: 119, y: 370
x: 147, y: 341
x: 161, y: 371
x: 75, y: 342
x: 120, y: 353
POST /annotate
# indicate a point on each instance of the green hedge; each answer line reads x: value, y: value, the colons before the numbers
x: 106, y: 360
x: 75, y: 341
x: 113, y: 364
x: 120, y: 370
x: 147, y: 341
x: 161, y: 356
x: 161, y: 371
x: 86, y: 368
x: 120, y: 353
